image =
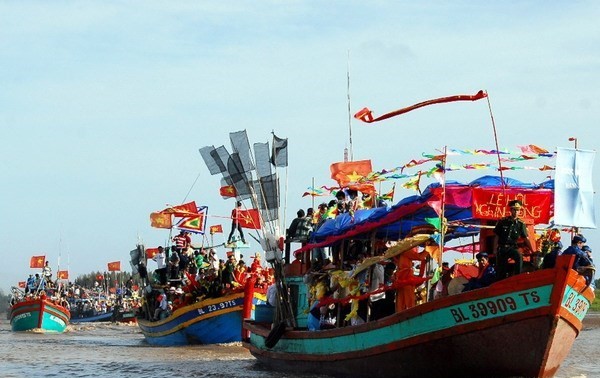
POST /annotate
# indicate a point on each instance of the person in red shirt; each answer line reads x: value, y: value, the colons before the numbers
x: 235, y: 223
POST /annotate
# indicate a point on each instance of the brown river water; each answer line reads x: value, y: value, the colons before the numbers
x: 119, y: 350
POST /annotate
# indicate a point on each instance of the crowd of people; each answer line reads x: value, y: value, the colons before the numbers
x: 340, y: 284
x: 185, y: 275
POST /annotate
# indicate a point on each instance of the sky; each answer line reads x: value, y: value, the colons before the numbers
x: 104, y: 104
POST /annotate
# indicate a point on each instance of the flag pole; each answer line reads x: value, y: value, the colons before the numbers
x: 496, y: 140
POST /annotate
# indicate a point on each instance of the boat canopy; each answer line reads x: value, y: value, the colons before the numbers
x: 397, y: 221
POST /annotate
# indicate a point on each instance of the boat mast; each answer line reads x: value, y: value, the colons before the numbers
x: 349, y: 114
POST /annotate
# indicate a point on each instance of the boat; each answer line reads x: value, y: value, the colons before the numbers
x: 83, y: 311
x: 523, y: 325
x: 39, y: 313
x: 209, y: 321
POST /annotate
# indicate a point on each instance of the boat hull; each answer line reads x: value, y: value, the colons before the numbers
x: 39, y: 314
x: 211, y: 321
x: 103, y: 317
x: 522, y: 326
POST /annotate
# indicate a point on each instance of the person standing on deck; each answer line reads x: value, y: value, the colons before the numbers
x: 161, y: 265
x: 404, y: 276
x: 508, y: 231
x: 235, y: 223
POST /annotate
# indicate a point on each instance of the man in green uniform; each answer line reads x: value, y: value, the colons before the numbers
x: 508, y: 230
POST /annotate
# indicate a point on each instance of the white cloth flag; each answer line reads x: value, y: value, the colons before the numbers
x: 573, y: 189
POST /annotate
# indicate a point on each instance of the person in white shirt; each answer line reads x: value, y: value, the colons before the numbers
x: 161, y: 265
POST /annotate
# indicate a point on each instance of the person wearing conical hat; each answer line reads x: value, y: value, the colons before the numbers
x: 508, y: 231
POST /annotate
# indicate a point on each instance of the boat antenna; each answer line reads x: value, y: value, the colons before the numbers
x: 349, y: 114
x: 496, y: 140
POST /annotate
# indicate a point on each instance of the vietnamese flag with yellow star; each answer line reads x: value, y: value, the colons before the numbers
x: 114, y: 266
x: 227, y: 191
x: 37, y: 262
x: 350, y: 171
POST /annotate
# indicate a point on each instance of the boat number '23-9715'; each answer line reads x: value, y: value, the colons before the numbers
x: 216, y: 306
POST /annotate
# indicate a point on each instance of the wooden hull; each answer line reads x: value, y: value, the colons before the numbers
x: 521, y: 326
x: 39, y: 314
x: 212, y: 321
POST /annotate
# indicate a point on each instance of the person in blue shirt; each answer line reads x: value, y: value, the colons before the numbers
x: 486, y: 276
x: 582, y: 259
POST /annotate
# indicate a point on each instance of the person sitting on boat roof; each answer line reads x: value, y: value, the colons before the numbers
x: 582, y: 261
x: 342, y: 202
x: 508, y: 230
x: 486, y: 275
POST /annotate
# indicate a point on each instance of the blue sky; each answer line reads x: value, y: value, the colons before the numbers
x: 104, y: 105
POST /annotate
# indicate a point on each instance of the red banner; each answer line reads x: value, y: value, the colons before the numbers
x: 37, y: 261
x: 114, y: 266
x: 493, y: 204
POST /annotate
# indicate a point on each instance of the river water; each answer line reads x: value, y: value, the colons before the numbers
x: 119, y: 350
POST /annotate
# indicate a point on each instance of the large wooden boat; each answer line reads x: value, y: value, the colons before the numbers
x: 521, y: 326
x: 209, y: 321
x: 39, y: 314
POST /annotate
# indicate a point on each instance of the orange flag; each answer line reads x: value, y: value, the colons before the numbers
x: 22, y: 284
x: 62, y: 274
x: 37, y: 262
x: 183, y: 210
x: 227, y: 191
x: 249, y: 219
x: 350, y: 171
x: 216, y: 229
x: 114, y: 266
x: 151, y: 252
x: 160, y: 220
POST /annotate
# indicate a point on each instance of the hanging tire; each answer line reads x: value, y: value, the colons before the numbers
x: 275, y: 335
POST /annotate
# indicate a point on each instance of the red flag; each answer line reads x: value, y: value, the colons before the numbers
x: 216, y: 229
x: 227, y: 191
x: 37, y: 261
x: 99, y: 277
x: 350, y: 172
x: 183, y: 210
x: 151, y: 252
x: 114, y: 266
x: 62, y: 274
x: 160, y: 220
x: 22, y: 284
x: 249, y: 219
x: 366, y: 115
